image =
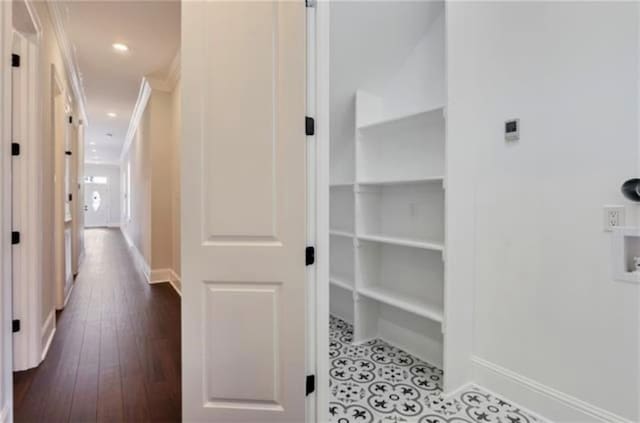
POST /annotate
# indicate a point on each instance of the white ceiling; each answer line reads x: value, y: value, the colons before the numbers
x: 111, y: 80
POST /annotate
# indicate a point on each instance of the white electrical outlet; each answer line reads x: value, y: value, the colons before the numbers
x: 613, y: 217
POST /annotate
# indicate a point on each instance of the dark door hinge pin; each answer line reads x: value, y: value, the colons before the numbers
x: 310, y: 384
x: 310, y: 256
x: 309, y: 125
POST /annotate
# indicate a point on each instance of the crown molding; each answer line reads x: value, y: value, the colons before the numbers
x: 68, y: 56
x: 173, y: 76
x: 35, y: 18
x: 136, y: 115
x: 158, y: 84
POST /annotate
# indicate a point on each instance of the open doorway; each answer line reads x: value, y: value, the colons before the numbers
x: 96, y: 114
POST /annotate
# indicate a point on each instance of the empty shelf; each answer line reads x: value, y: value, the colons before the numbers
x: 404, y: 181
x: 342, y: 283
x: 341, y: 185
x: 341, y: 233
x: 429, y: 311
x: 437, y: 112
x: 403, y: 242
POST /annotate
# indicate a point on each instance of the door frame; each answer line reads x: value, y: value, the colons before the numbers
x: 27, y: 204
x: 318, y: 104
x: 6, y: 354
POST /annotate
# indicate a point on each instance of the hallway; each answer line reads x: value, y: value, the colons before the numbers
x: 116, y: 352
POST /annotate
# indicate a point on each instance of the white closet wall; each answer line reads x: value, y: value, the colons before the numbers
x: 387, y: 209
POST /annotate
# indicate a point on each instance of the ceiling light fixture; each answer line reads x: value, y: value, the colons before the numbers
x: 111, y: 114
x: 119, y: 47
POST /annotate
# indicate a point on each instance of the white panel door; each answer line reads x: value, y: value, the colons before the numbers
x: 243, y: 202
x: 96, y: 205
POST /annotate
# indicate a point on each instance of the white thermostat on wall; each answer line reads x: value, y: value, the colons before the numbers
x: 512, y: 130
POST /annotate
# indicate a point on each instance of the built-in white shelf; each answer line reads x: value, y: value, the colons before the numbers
x: 341, y: 282
x: 404, y: 181
x: 430, y: 311
x: 341, y: 185
x: 405, y: 242
x: 341, y: 233
x: 434, y: 113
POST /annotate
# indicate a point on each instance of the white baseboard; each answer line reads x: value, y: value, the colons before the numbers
x: 70, y: 285
x: 48, y: 332
x: 167, y: 275
x: 138, y: 258
x: 548, y: 402
x: 175, y: 282
x: 160, y: 275
x: 5, y: 414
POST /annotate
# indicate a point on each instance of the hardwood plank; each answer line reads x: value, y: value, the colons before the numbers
x: 116, y: 353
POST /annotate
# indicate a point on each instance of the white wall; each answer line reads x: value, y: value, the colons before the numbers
x: 112, y: 172
x: 546, y: 307
x: 384, y: 34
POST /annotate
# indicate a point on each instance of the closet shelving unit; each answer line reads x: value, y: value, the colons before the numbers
x: 387, y: 230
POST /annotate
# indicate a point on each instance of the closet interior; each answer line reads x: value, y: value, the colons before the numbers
x: 388, y: 186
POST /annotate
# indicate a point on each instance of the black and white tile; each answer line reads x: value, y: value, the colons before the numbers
x: 378, y: 383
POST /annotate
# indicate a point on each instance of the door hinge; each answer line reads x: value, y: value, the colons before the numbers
x: 15, y: 60
x: 310, y: 3
x: 310, y: 254
x: 309, y: 125
x: 310, y: 385
x: 15, y: 237
x: 15, y: 325
x: 70, y: 119
x: 68, y: 153
x: 70, y: 197
x: 15, y: 149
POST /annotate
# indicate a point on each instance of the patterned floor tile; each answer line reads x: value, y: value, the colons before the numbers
x: 378, y: 383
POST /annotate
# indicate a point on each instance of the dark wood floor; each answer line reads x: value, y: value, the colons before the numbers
x: 116, y: 353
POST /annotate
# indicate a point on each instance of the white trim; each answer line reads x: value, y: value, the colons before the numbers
x: 175, y: 282
x: 27, y: 211
x: 6, y: 336
x: 549, y: 402
x: 69, y: 283
x: 136, y: 115
x: 138, y: 258
x: 66, y: 48
x: 169, y: 82
x: 5, y: 414
x: 49, y: 327
x: 160, y: 276
x: 173, y: 76
x: 321, y: 102
x: 35, y: 19
x: 166, y: 276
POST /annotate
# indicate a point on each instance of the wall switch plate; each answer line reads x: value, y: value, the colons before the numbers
x: 512, y: 130
x: 613, y: 217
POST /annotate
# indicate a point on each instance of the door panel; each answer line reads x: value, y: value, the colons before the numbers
x: 243, y: 202
x: 96, y: 205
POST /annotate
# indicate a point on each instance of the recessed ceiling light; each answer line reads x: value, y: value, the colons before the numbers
x: 92, y: 143
x: 111, y: 114
x: 122, y: 48
x: 93, y: 151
